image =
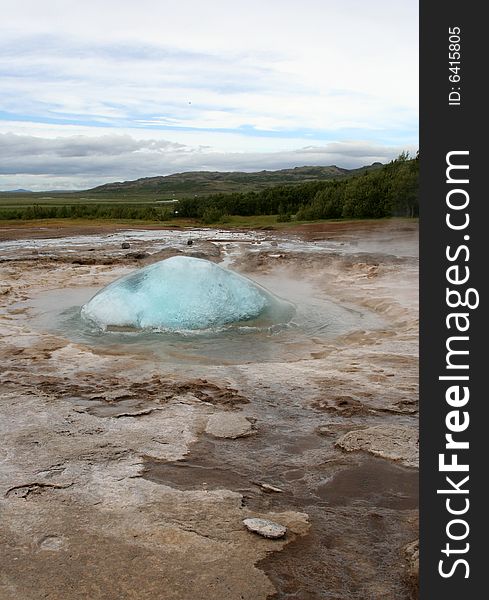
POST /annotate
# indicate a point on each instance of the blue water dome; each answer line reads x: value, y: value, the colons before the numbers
x: 184, y: 293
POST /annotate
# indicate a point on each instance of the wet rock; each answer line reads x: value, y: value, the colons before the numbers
x: 161, y: 255
x: 411, y: 553
x: 332, y: 429
x: 228, y: 425
x: 346, y: 406
x: 205, y: 249
x: 388, y: 441
x: 265, y: 528
x: 125, y: 245
x: 137, y: 255
x: 84, y: 260
x: 267, y: 487
x: 325, y: 430
x: 140, y: 393
x: 52, y: 543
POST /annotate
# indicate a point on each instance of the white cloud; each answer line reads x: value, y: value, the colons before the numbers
x: 80, y: 162
x: 201, y: 91
x: 241, y: 78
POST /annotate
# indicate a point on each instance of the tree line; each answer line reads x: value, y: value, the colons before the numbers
x: 390, y: 190
x: 88, y: 211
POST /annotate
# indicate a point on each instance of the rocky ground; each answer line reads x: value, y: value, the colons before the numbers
x: 124, y: 476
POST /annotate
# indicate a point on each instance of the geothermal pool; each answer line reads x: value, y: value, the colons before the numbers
x: 313, y: 322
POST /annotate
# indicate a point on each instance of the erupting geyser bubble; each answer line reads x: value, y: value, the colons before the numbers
x: 183, y: 293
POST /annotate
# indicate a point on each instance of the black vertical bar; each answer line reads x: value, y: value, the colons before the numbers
x: 445, y: 127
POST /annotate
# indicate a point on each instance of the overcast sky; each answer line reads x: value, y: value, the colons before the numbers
x: 111, y: 90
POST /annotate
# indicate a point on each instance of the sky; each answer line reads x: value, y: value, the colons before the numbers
x: 112, y: 90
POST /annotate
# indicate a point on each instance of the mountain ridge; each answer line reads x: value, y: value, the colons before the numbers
x: 203, y: 183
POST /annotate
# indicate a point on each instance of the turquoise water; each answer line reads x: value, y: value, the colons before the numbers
x: 184, y: 294
x: 315, y: 321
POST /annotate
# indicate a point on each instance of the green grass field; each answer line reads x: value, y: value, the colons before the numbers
x: 14, y: 200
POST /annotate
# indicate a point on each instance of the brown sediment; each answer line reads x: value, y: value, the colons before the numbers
x: 361, y: 515
x: 157, y: 390
x: 357, y: 227
x: 350, y: 553
x: 60, y: 229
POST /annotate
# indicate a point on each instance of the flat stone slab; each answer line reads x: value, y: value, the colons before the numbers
x: 228, y: 425
x: 388, y: 441
x: 265, y: 528
x: 267, y: 487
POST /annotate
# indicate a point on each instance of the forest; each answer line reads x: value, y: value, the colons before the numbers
x: 390, y: 190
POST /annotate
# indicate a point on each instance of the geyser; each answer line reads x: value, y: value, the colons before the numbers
x: 183, y: 293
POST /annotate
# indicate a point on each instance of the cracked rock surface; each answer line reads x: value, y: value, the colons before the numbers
x: 389, y: 441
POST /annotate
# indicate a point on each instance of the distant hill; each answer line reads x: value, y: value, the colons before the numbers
x: 302, y: 194
x: 203, y: 183
x: 180, y: 186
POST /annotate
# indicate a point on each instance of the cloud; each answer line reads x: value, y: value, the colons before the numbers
x: 79, y: 162
x: 259, y: 77
x: 155, y: 86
